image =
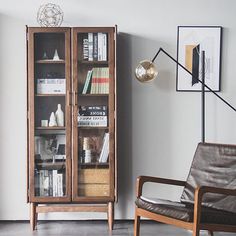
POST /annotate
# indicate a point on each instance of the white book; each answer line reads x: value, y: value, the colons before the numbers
x: 60, y: 185
x: 90, y: 46
x: 104, y: 47
x: 46, y: 183
x: 102, y: 157
x: 54, y: 183
x: 92, y: 123
x: 92, y: 118
x: 100, y: 46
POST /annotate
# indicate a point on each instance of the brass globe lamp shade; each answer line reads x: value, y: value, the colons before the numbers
x: 146, y: 71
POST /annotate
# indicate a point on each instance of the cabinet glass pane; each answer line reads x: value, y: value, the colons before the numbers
x: 49, y: 115
x: 93, y: 169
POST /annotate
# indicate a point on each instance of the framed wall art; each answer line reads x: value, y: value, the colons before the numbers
x: 191, y: 41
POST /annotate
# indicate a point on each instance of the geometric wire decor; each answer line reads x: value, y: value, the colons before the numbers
x: 50, y: 15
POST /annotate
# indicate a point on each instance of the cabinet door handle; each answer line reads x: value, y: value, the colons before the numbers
x: 68, y: 98
x: 75, y: 98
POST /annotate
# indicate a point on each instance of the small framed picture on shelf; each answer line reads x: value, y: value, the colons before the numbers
x: 191, y: 41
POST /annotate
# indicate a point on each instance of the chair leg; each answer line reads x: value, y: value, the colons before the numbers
x: 210, y: 233
x: 136, y: 224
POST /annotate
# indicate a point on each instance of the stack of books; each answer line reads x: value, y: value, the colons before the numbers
x: 95, y: 116
x: 97, y: 81
x: 49, y: 183
x: 51, y: 86
x: 95, y: 47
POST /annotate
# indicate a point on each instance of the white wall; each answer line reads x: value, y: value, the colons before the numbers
x: 158, y: 127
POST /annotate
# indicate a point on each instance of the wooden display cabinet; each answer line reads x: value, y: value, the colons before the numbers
x: 71, y: 164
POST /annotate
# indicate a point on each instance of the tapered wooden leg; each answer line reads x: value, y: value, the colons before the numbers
x: 110, y: 214
x: 136, y: 224
x: 32, y: 215
x: 36, y: 219
x: 210, y: 233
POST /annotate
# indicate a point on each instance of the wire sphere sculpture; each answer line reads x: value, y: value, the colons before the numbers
x: 50, y: 15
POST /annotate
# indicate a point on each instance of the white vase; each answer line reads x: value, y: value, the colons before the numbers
x: 56, y: 56
x: 52, y: 120
x: 59, y: 116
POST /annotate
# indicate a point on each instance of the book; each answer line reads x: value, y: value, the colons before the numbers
x: 92, y: 111
x: 90, y: 46
x: 105, y: 149
x: 102, y: 47
x: 85, y: 49
x: 95, y: 46
x: 100, y: 121
x: 87, y: 81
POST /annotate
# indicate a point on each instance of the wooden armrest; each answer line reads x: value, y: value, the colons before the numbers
x: 200, y: 191
x: 207, y: 189
x: 143, y: 179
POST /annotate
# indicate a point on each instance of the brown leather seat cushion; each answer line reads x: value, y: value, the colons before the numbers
x: 184, y: 211
x: 213, y: 165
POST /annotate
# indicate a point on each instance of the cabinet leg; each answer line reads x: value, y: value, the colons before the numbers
x: 110, y: 214
x: 32, y: 215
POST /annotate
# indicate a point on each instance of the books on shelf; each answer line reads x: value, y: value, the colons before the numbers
x: 95, y: 47
x: 49, y: 183
x: 94, y: 116
x: 105, y: 149
x: 51, y: 86
x: 100, y: 81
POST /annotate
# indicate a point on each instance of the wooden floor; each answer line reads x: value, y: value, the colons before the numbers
x: 92, y: 228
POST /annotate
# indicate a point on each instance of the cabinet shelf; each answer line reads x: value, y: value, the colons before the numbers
x: 94, y: 165
x: 50, y: 61
x: 92, y: 127
x: 94, y: 62
x: 51, y: 128
x: 50, y: 95
x: 93, y: 95
x: 51, y: 165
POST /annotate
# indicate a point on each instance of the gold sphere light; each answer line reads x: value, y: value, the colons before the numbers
x: 146, y: 71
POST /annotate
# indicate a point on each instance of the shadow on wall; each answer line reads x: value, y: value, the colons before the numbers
x: 138, y: 159
x: 146, y: 127
x: 1, y: 104
x: 124, y: 120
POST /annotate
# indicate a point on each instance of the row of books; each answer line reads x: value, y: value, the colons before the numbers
x: 95, y: 116
x: 49, y: 183
x: 51, y: 86
x: 95, y: 47
x: 97, y: 81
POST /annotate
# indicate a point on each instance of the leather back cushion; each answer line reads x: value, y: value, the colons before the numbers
x: 213, y: 165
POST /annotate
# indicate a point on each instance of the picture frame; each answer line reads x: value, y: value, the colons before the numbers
x: 191, y: 41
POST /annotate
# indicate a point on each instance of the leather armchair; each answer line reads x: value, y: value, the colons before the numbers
x: 208, y: 201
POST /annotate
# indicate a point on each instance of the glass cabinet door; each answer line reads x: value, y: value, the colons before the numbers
x: 93, y: 114
x: 50, y: 112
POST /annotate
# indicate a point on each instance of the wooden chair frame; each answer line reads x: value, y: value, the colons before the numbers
x: 196, y: 225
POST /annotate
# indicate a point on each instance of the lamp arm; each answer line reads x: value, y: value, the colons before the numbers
x: 206, y: 86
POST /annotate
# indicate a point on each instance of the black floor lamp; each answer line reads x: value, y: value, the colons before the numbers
x: 146, y: 71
